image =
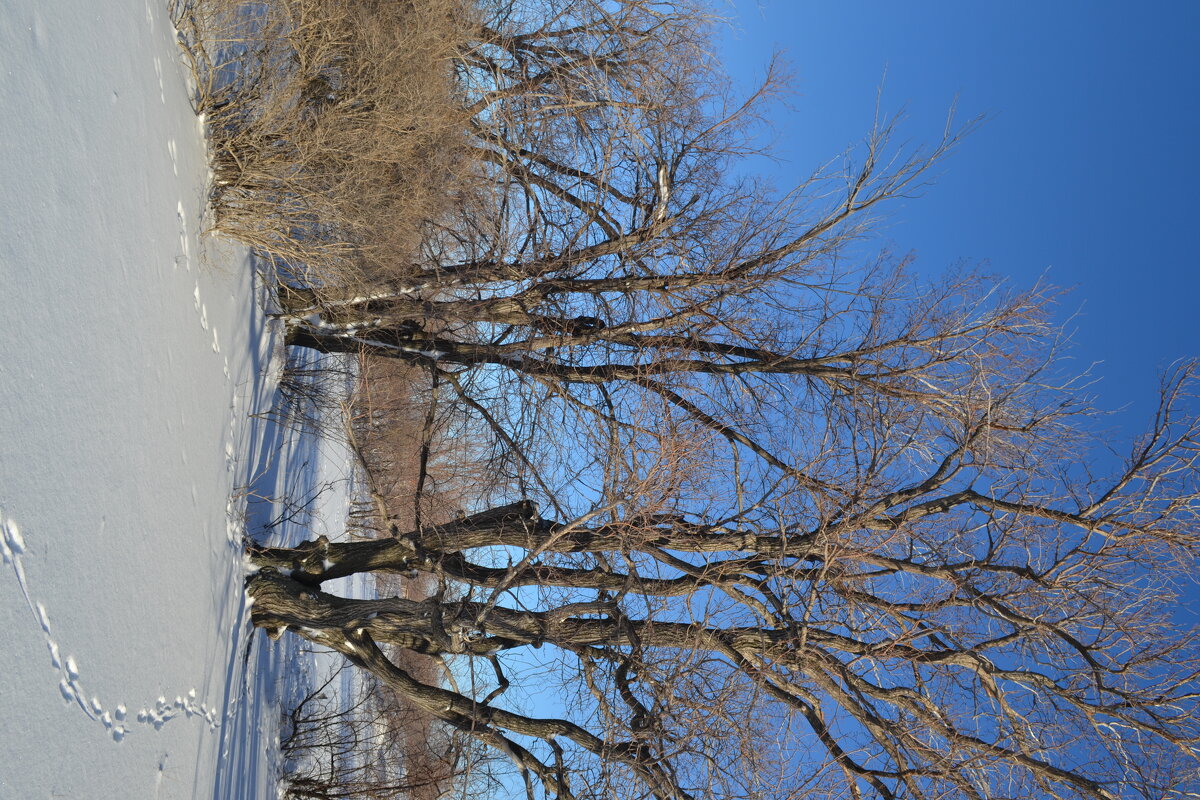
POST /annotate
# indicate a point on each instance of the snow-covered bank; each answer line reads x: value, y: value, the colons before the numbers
x: 131, y: 357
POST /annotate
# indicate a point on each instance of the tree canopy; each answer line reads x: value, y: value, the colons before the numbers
x: 785, y: 526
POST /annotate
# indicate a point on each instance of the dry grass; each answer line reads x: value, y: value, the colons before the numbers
x: 334, y: 129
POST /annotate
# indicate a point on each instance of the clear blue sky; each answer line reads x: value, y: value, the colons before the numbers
x: 1086, y: 171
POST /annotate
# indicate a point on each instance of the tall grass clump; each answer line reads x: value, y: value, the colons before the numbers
x: 334, y: 128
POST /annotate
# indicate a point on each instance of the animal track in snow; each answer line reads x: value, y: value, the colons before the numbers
x: 184, y: 244
x: 162, y: 89
x: 201, y: 308
x: 163, y: 711
x: 70, y: 685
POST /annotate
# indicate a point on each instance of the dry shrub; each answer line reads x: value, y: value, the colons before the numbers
x: 379, y: 745
x: 368, y: 746
x: 400, y: 430
x: 420, y: 466
x: 334, y: 128
x: 414, y: 733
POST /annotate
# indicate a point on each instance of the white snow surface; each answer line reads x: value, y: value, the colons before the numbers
x: 131, y: 356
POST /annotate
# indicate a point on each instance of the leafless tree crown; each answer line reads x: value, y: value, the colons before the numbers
x: 784, y: 527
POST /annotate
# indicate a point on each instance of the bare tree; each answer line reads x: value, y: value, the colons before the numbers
x: 976, y: 619
x: 787, y: 528
x: 593, y: 283
x: 352, y: 740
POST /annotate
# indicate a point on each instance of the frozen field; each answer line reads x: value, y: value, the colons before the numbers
x: 132, y: 353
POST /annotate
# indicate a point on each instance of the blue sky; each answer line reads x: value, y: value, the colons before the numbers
x: 1085, y: 172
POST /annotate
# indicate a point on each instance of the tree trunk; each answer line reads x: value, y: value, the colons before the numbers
x: 314, y: 562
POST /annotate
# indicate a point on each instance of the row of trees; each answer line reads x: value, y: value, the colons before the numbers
x: 783, y: 528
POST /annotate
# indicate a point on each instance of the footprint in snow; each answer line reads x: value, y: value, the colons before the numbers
x: 181, y: 215
x: 162, y: 89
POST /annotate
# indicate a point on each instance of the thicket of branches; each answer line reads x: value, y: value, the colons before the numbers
x: 781, y: 527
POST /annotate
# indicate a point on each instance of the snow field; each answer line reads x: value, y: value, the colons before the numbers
x: 131, y: 358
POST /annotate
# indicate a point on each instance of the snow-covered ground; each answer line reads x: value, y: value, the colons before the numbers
x: 132, y: 354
